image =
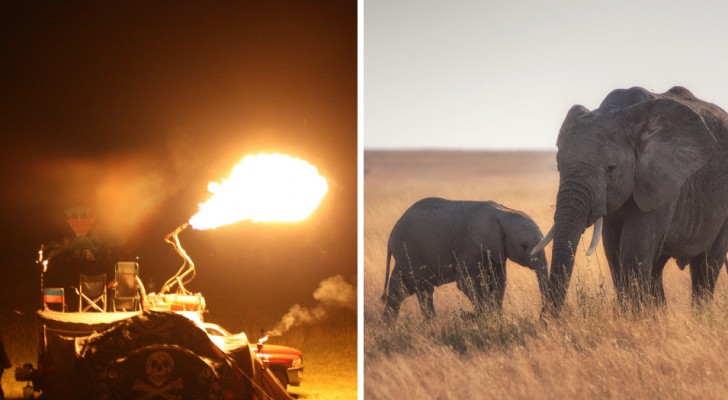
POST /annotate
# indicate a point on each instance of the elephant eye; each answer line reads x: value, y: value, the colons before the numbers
x: 610, y: 169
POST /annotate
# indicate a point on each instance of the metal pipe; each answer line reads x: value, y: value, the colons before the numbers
x: 188, y: 266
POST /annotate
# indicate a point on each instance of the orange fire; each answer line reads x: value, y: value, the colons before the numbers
x: 263, y: 188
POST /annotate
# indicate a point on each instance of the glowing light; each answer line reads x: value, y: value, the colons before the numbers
x: 263, y: 188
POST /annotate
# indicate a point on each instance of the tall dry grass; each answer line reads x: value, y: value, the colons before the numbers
x: 329, y: 357
x: 590, y: 351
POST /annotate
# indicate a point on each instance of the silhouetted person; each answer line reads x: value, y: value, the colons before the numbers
x: 5, y: 363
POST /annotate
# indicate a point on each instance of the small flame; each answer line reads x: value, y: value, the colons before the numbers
x: 41, y: 261
x: 263, y: 339
x: 263, y: 188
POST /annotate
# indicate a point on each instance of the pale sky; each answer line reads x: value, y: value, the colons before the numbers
x: 503, y: 74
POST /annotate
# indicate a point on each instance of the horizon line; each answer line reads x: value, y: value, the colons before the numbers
x: 494, y: 149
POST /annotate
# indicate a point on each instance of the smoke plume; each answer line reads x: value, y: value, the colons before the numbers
x: 332, y: 293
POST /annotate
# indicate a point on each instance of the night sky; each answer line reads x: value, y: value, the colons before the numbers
x: 130, y: 110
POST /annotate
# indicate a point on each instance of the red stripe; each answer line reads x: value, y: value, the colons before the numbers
x: 53, y: 298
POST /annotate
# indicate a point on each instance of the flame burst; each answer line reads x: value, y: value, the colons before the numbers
x: 263, y: 188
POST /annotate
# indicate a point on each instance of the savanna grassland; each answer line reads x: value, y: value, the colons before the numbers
x: 678, y: 352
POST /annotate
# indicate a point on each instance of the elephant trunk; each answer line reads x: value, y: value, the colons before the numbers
x: 570, y: 220
x: 540, y: 265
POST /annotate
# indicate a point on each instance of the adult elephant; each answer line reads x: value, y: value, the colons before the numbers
x: 438, y: 241
x: 650, y: 171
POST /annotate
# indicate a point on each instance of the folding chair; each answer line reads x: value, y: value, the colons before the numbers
x: 92, y: 292
x: 53, y: 299
x: 126, y: 292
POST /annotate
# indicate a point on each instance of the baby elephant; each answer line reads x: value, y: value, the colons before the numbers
x: 438, y: 241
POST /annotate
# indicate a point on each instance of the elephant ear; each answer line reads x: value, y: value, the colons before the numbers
x: 575, y: 112
x: 672, y: 142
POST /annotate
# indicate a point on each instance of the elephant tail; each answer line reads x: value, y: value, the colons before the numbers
x: 386, y: 277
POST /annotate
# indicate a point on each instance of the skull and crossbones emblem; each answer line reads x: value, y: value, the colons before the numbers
x: 159, y: 367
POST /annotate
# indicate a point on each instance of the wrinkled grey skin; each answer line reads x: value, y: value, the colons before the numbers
x: 438, y: 241
x: 655, y: 167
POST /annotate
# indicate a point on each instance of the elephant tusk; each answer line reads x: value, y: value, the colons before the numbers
x: 596, y: 235
x: 546, y: 240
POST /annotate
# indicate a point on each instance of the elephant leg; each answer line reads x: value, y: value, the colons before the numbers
x: 717, y: 255
x: 499, y: 284
x: 425, y: 293
x: 643, y: 283
x: 704, y: 271
x: 396, y: 293
x: 658, y: 289
x: 611, y: 233
x: 493, y: 285
x: 467, y: 286
x: 473, y: 288
x: 470, y: 282
x: 402, y: 284
x: 640, y: 252
x: 705, y: 267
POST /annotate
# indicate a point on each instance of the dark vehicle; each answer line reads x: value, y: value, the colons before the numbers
x: 142, y: 346
x: 150, y: 354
